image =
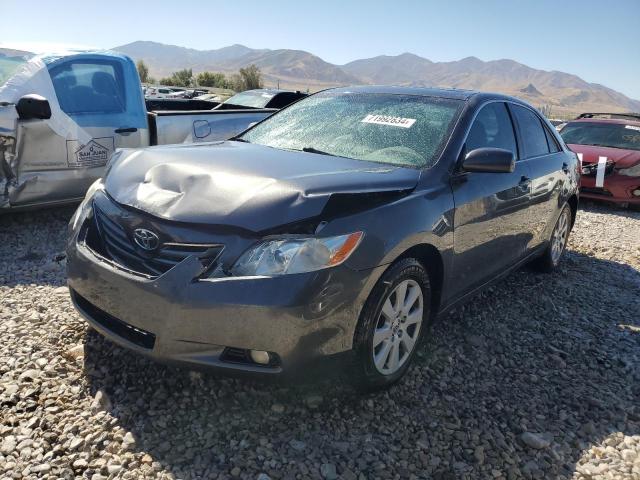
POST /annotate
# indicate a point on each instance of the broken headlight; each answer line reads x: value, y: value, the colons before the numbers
x: 85, y: 206
x: 631, y: 171
x: 296, y: 255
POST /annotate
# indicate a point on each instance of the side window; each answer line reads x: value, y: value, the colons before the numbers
x: 89, y: 87
x: 492, y: 127
x: 534, y: 137
x: 551, y: 141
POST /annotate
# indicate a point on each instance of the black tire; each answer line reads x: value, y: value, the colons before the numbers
x: 365, y: 373
x: 548, y: 262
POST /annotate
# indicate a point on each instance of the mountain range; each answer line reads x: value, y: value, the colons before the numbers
x: 561, y: 93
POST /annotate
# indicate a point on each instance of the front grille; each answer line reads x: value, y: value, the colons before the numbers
x: 591, y: 169
x: 132, y: 334
x: 114, y: 242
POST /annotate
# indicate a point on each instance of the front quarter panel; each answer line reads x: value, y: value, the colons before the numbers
x: 422, y: 217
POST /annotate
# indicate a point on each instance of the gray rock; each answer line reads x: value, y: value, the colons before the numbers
x: 328, y: 471
x: 8, y: 445
x: 535, y: 440
x: 76, y: 444
x: 30, y: 375
x: 128, y: 441
x: 277, y: 408
x: 313, y: 401
x: 297, y: 445
x: 101, y: 402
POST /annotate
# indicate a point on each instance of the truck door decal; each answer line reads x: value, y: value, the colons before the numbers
x: 94, y: 153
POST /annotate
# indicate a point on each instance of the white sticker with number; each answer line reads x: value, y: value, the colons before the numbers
x: 632, y: 127
x: 388, y: 120
x: 602, y: 166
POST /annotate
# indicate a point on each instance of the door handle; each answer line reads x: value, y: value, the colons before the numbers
x: 524, y: 181
x: 126, y: 130
x: 565, y: 167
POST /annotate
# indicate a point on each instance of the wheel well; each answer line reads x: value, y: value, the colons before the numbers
x: 430, y: 258
x: 573, y: 204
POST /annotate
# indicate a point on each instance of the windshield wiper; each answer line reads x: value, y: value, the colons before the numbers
x: 315, y: 150
x: 239, y: 139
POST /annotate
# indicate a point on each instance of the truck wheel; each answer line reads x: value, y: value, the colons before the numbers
x: 391, y: 325
x: 552, y: 255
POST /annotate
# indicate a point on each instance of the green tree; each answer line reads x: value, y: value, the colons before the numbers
x: 251, y: 77
x: 234, y: 82
x: 143, y: 71
x: 211, y: 79
x: 181, y: 78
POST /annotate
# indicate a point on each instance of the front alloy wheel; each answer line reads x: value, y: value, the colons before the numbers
x: 391, y: 325
x: 398, y: 327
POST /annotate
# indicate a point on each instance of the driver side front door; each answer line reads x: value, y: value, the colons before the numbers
x: 491, y: 209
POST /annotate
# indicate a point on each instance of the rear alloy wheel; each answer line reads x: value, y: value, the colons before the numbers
x: 392, y: 324
x: 551, y: 257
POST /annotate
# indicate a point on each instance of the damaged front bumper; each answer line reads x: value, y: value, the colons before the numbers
x: 180, y: 317
x: 616, y: 189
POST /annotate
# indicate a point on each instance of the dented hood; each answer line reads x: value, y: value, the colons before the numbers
x: 242, y: 185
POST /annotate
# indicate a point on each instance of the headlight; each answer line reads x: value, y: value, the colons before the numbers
x: 631, y: 171
x: 83, y: 208
x: 296, y: 255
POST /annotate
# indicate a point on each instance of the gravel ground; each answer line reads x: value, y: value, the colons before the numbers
x: 539, y: 377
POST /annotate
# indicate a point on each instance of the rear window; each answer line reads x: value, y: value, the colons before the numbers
x: 408, y: 130
x: 89, y: 87
x: 613, y: 135
x: 250, y: 99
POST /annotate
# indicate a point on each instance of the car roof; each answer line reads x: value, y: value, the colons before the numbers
x: 452, y: 93
x: 615, y: 121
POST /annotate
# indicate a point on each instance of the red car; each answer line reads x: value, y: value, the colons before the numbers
x: 608, y: 145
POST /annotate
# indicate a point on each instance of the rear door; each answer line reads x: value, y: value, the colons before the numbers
x: 98, y: 107
x: 491, y: 209
x: 548, y: 168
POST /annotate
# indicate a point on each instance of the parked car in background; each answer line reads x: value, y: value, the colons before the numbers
x: 63, y: 115
x: 608, y: 145
x: 211, y: 97
x: 261, y: 98
x: 189, y: 93
x: 162, y: 92
x: 341, y: 225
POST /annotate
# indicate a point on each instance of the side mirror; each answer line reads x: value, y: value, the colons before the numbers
x: 33, y: 106
x: 489, y: 160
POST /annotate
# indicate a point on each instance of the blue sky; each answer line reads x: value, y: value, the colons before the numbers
x: 596, y: 40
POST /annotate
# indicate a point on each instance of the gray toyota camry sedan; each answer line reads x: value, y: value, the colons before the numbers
x: 343, y: 224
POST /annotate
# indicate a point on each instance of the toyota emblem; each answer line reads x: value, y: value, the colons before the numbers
x: 146, y: 239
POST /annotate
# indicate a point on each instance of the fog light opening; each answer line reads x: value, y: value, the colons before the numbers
x: 636, y: 192
x: 261, y: 357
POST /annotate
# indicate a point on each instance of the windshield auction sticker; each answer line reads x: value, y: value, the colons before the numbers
x: 388, y: 120
x: 632, y: 127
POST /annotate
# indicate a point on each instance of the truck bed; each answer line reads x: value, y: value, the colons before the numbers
x: 193, y: 126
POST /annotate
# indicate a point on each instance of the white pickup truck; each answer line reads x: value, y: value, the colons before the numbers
x: 63, y: 115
